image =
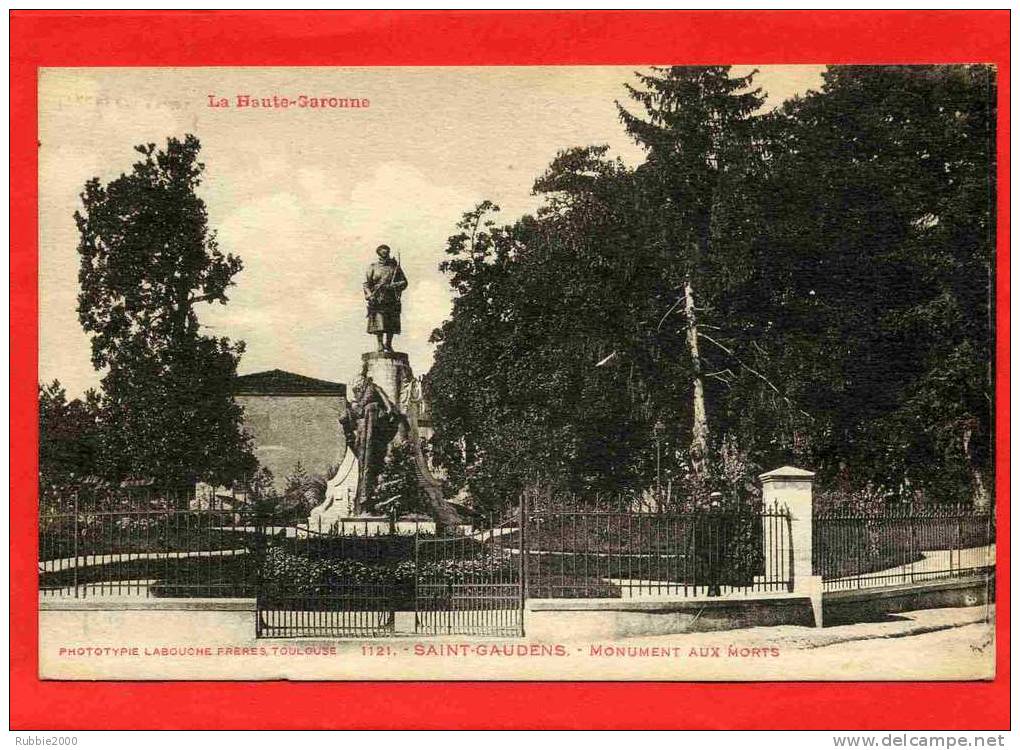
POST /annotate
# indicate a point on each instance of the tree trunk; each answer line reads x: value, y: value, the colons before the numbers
x: 981, y: 497
x: 699, y: 426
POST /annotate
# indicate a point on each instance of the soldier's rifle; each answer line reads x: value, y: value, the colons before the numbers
x: 388, y: 283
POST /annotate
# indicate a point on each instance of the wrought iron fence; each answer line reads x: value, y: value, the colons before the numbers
x: 152, y: 552
x: 624, y: 553
x: 98, y: 540
x: 902, y: 544
x: 351, y: 578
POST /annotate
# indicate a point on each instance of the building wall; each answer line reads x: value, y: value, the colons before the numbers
x: 289, y: 429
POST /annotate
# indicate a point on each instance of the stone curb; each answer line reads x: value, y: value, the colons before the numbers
x: 914, y: 629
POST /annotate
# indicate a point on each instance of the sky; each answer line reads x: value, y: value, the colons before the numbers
x: 303, y: 195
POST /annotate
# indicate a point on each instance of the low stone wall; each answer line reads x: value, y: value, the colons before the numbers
x: 556, y: 619
x: 559, y: 619
x: 862, y: 605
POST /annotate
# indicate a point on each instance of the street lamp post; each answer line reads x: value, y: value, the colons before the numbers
x: 658, y: 431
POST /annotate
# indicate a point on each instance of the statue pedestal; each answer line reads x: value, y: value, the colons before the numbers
x: 388, y: 370
x: 385, y: 414
x: 341, y: 491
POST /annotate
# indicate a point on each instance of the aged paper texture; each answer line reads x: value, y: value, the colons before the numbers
x: 516, y: 373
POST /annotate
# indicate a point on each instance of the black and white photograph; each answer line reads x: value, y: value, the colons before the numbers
x: 569, y: 373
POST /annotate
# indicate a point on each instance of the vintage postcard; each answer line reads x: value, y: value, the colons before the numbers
x: 664, y: 373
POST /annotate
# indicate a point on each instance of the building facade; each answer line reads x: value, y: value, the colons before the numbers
x: 293, y: 421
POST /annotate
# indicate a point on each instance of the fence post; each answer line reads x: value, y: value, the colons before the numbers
x: 522, y: 572
x: 75, y: 545
x: 791, y: 487
x: 417, y: 578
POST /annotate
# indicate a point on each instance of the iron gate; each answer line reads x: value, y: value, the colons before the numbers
x: 472, y: 584
x: 313, y: 584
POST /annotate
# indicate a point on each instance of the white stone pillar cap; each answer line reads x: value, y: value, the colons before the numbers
x: 788, y: 473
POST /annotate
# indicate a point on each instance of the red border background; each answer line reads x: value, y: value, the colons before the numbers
x: 196, y: 38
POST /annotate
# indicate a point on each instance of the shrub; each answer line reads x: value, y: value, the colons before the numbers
x: 285, y: 572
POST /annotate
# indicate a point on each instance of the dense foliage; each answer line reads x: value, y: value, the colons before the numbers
x: 876, y: 245
x: 69, y: 437
x: 148, y: 258
x: 839, y: 259
x: 398, y: 490
x: 287, y: 573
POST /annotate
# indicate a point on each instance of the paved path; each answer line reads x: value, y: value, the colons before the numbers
x: 84, y: 561
x: 932, y: 565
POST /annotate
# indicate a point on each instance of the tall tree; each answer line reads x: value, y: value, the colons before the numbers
x: 148, y: 259
x: 872, y: 273
x: 841, y: 290
x: 550, y: 369
x: 516, y: 389
x: 698, y: 128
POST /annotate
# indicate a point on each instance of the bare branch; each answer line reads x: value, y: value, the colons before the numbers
x: 725, y: 382
x: 207, y: 298
x: 670, y: 310
x: 757, y: 374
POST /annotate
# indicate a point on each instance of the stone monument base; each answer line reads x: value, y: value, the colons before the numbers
x: 371, y: 525
x: 388, y: 370
x: 341, y: 490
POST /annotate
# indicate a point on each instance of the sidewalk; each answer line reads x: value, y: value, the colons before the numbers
x: 800, y: 638
x: 944, y: 644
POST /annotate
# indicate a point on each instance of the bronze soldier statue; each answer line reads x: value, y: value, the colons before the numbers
x: 384, y: 283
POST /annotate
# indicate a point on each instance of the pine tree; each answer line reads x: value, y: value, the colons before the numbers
x: 698, y: 127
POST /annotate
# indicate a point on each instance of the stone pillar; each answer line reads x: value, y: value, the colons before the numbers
x: 791, y: 487
x: 388, y: 370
